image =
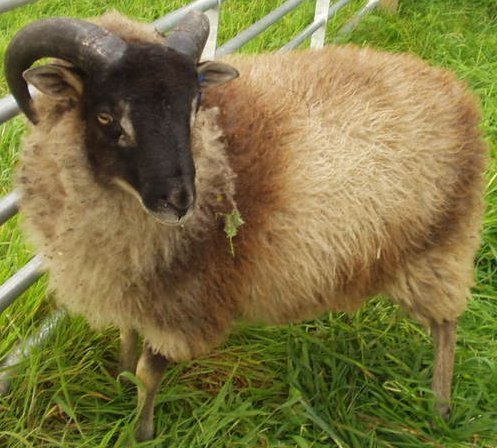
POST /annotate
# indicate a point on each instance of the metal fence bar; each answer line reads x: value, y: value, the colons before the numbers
x: 211, y: 44
x: 9, y: 206
x: 352, y: 23
x: 321, y: 16
x: 257, y: 28
x: 24, y: 348
x: 8, y: 108
x: 168, y: 21
x: 6, y: 5
x: 297, y: 40
x: 19, y: 282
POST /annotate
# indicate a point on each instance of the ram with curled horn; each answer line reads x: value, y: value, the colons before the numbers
x: 356, y: 173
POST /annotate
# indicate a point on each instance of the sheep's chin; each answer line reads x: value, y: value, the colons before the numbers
x: 168, y: 219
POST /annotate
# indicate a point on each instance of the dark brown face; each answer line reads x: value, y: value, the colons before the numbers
x: 138, y: 117
x: 135, y: 99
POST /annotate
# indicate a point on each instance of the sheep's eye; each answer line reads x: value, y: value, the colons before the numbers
x: 104, y: 119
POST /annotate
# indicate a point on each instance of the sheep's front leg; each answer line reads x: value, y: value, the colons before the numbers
x: 150, y: 370
x: 128, y: 351
x: 444, y: 336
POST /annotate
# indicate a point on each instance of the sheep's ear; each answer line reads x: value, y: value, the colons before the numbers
x: 55, y: 80
x: 212, y: 73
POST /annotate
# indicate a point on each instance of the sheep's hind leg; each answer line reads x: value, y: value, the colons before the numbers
x: 444, y: 337
x: 435, y: 289
x: 128, y: 351
x: 150, y: 370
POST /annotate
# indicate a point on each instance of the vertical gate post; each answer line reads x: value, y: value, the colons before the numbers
x: 320, y: 15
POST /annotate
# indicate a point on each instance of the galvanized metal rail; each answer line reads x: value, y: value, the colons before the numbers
x: 22, y: 351
x: 27, y: 275
x: 257, y: 28
x: 9, y: 206
x: 20, y: 281
x: 8, y: 108
x: 6, y: 5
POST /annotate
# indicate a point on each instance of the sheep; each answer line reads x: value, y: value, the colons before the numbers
x: 356, y: 173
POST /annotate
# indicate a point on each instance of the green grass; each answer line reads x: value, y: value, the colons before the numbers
x: 344, y: 380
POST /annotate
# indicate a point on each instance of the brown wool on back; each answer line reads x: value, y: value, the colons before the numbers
x: 356, y: 172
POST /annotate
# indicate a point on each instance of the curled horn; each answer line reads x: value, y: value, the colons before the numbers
x: 85, y: 45
x: 189, y: 35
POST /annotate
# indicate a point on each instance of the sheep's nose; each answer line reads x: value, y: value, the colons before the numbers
x: 178, y: 199
x: 179, y: 202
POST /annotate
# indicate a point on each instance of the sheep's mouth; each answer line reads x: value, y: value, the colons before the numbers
x: 167, y: 216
